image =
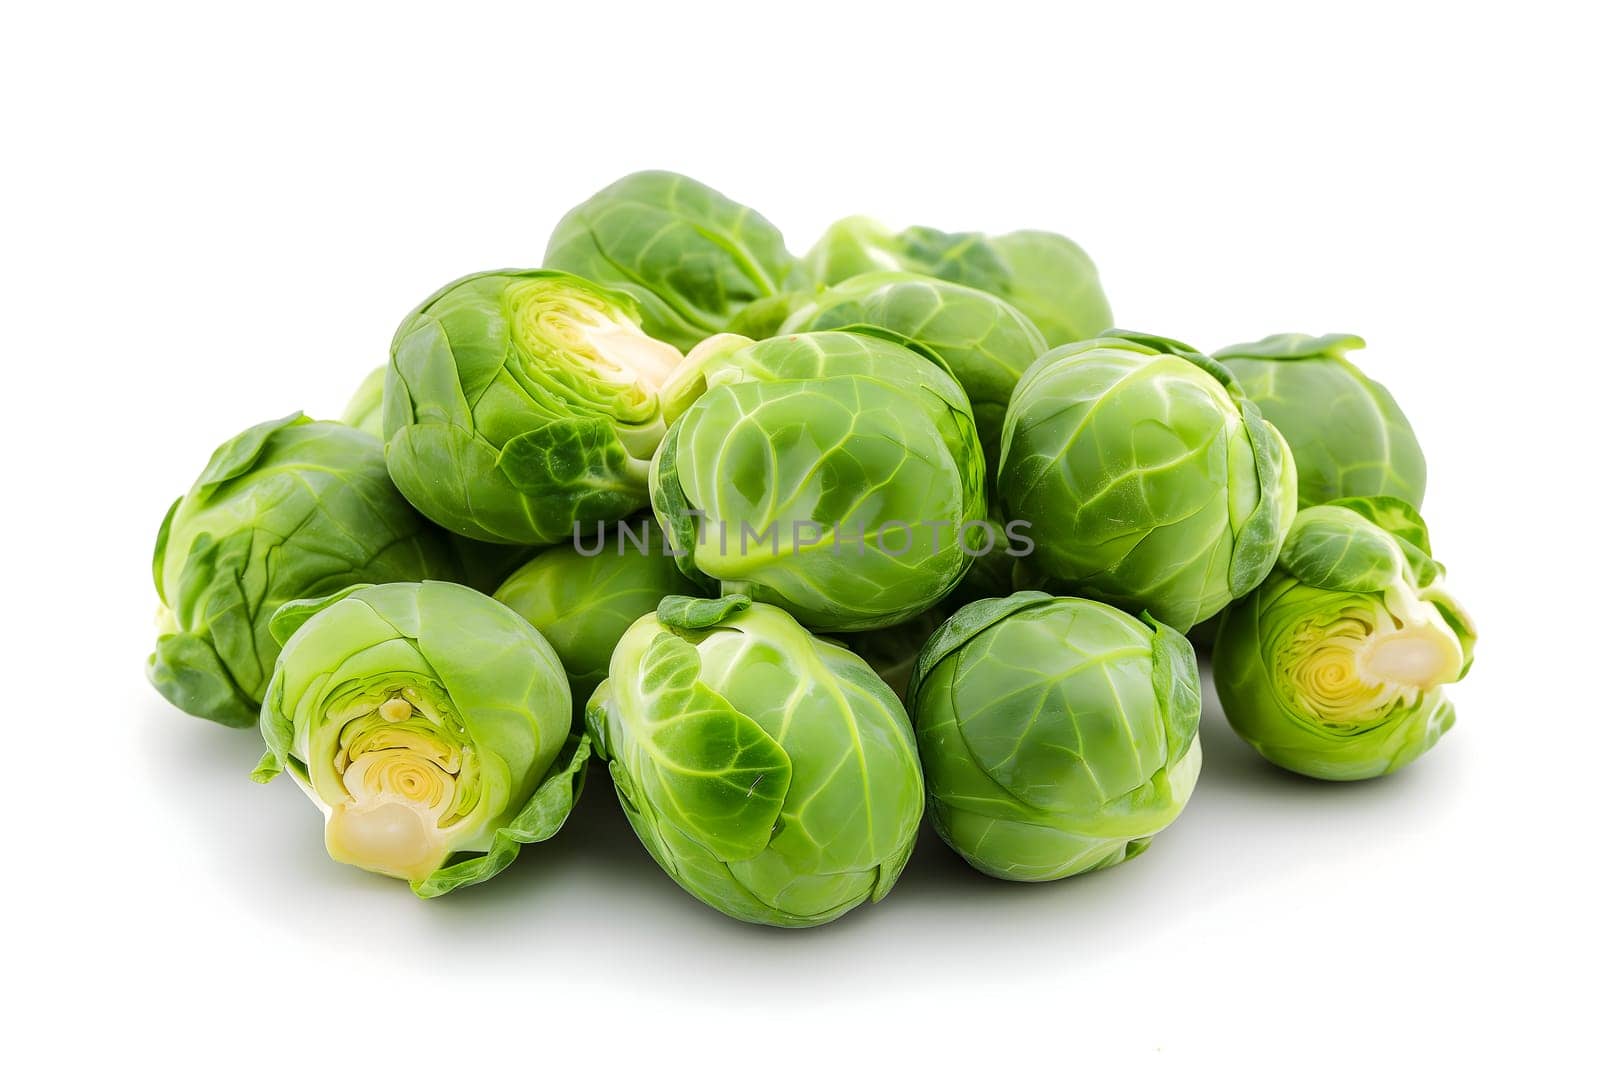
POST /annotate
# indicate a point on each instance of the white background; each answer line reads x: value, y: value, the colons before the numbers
x: 217, y: 214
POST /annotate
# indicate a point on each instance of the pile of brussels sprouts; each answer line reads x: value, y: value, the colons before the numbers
x: 798, y: 547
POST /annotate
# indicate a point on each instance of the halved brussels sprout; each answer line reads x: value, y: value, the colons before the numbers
x: 1147, y: 478
x: 1044, y: 275
x: 520, y: 403
x: 984, y: 341
x: 1334, y: 666
x: 837, y: 475
x: 691, y: 257
x: 769, y: 772
x: 364, y: 412
x: 1348, y: 436
x: 432, y: 726
x: 1057, y: 735
x: 582, y: 597
x: 287, y: 509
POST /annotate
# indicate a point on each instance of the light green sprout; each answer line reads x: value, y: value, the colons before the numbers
x: 1348, y: 436
x: 432, y: 726
x: 837, y: 475
x: 772, y: 774
x: 1335, y: 666
x: 287, y: 509
x: 1146, y: 477
x: 1058, y: 735
x: 691, y: 257
x: 1047, y: 277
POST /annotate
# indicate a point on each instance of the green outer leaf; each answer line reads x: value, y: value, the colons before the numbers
x: 158, y: 562
x: 1294, y: 346
x: 576, y: 460
x: 1175, y: 673
x: 1340, y: 549
x: 1256, y: 542
x: 883, y: 333
x: 694, y: 613
x: 268, y: 768
x: 723, y: 775
x: 540, y: 818
x: 963, y: 626
x: 186, y: 669
x: 238, y: 455
x: 671, y: 506
x: 964, y: 257
x: 293, y: 615
x: 1460, y: 623
x: 1156, y: 343
x: 1392, y: 514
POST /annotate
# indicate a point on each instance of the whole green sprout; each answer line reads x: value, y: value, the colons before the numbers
x: 772, y: 774
x: 692, y: 258
x: 1058, y: 735
x: 287, y: 509
x: 520, y: 403
x: 430, y: 724
x: 1047, y: 277
x: 837, y: 475
x: 1335, y: 666
x: 984, y: 341
x: 1146, y: 477
x: 1348, y: 436
x: 582, y: 597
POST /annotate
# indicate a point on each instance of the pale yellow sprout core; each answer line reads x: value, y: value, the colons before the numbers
x: 400, y: 785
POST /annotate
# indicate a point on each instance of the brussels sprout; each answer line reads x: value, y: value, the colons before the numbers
x: 1047, y: 277
x: 1055, y: 284
x: 985, y: 342
x: 691, y: 257
x: 430, y: 724
x: 519, y: 403
x: 365, y: 410
x: 1146, y: 477
x: 1333, y: 668
x: 1057, y: 735
x: 769, y: 772
x: 1348, y: 436
x: 837, y: 475
x: 290, y: 508
x: 583, y: 596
